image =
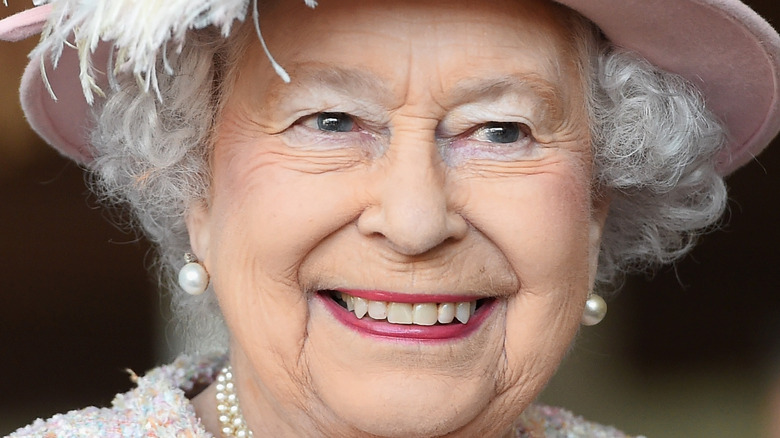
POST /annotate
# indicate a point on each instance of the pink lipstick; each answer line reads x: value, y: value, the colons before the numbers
x: 472, y: 312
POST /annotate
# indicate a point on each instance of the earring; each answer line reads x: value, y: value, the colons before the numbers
x: 193, y: 277
x: 595, y: 310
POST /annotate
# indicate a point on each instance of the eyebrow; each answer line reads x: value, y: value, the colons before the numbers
x: 351, y: 82
x: 488, y: 89
x: 359, y: 84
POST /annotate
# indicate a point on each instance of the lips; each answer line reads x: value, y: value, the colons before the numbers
x: 405, y: 315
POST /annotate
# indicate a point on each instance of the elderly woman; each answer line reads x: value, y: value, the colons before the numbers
x: 391, y: 215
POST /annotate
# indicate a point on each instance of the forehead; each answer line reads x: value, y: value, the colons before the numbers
x: 399, y: 43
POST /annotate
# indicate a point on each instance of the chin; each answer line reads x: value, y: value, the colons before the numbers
x: 410, y: 406
x: 396, y: 387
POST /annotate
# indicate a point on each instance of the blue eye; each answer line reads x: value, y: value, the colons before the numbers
x: 335, y: 122
x: 499, y: 132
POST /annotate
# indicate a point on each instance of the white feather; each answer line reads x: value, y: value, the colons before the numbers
x: 139, y: 30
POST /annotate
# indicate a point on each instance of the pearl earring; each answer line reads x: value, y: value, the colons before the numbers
x: 595, y: 310
x: 193, y: 277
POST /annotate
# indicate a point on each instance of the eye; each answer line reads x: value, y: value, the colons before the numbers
x: 500, y: 132
x: 462, y: 138
x: 330, y: 130
x: 335, y: 122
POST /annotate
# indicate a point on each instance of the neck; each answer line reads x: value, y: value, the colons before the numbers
x: 206, y: 409
x: 290, y: 415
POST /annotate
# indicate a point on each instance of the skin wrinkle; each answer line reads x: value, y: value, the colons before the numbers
x: 312, y: 162
x: 367, y: 84
x: 651, y: 225
x: 455, y: 262
x: 301, y: 220
x: 548, y: 99
x: 310, y: 79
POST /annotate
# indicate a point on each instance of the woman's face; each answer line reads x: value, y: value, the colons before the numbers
x: 429, y: 160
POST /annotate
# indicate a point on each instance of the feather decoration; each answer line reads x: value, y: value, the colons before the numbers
x: 139, y: 31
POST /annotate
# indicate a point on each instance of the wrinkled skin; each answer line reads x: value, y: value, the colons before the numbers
x: 412, y: 193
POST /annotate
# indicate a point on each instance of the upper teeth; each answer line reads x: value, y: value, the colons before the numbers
x: 410, y: 313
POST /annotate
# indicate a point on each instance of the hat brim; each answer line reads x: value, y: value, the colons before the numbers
x: 723, y: 47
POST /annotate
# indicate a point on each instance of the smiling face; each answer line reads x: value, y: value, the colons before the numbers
x: 402, y: 238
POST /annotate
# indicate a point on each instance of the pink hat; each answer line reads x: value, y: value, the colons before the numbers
x: 723, y: 47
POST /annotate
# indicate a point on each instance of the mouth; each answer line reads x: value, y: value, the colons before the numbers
x: 407, y: 316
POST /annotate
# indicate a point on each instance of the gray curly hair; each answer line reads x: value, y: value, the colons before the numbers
x: 653, y: 140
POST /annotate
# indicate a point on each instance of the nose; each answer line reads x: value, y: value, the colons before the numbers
x: 412, y: 209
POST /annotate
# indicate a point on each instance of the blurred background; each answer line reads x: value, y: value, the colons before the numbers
x: 693, y: 351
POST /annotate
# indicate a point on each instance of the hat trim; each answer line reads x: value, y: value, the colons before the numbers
x: 140, y: 32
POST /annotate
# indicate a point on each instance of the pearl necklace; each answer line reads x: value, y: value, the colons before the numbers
x: 231, y: 422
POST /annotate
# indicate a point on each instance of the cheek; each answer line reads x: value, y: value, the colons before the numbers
x: 541, y: 224
x: 267, y: 212
x: 262, y: 194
